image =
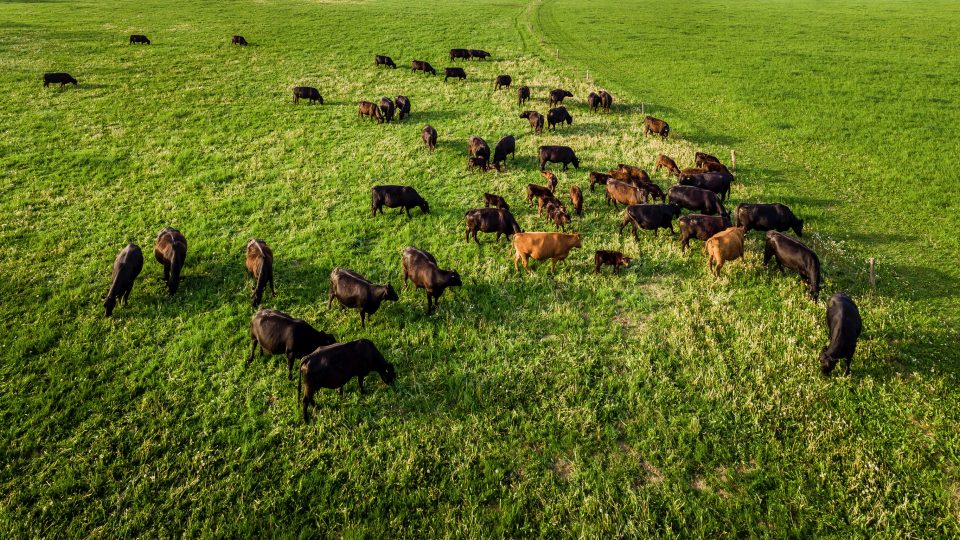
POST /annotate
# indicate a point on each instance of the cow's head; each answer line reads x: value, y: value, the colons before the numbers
x: 827, y: 362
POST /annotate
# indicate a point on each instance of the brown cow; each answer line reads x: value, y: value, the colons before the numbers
x: 636, y: 174
x: 542, y: 246
x: 429, y: 136
x: 260, y: 265
x: 619, y: 192
x: 612, y: 258
x: 656, y: 127
x: 367, y: 108
x: 606, y: 100
x: 557, y: 214
x: 489, y: 199
x: 539, y: 192
x: 664, y: 162
x: 535, y: 119
x: 171, y: 251
x: 421, y: 268
x: 598, y: 178
x: 724, y: 246
x: 551, y: 180
x: 700, y: 158
x: 477, y: 147
x: 523, y: 94
x: 690, y: 171
x: 576, y: 197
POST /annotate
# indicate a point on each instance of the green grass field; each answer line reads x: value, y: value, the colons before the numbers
x: 663, y: 402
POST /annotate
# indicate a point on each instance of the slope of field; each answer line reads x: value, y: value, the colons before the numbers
x: 662, y: 402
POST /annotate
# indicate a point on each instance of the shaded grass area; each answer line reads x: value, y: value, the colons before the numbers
x: 663, y: 402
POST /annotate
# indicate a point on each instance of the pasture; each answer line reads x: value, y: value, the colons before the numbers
x: 661, y: 402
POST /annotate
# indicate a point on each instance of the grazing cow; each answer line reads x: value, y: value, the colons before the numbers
x: 334, y: 365
x: 712, y: 166
x: 557, y: 95
x: 459, y: 53
x: 259, y: 264
x: 278, y: 333
x: 477, y: 147
x: 535, y: 119
x: 611, y: 258
x: 139, y: 38
x: 551, y: 179
x: 354, y: 291
x: 598, y: 178
x: 387, y: 108
x: 171, y: 251
x: 307, y: 92
x: 576, y: 198
x: 653, y: 191
x: 558, y: 115
x: 538, y: 192
x: 383, y: 60
x: 481, y: 164
x: 556, y: 213
x: 370, y: 109
x: 767, y: 217
x: 593, y: 100
x: 701, y: 227
x: 716, y: 182
x: 650, y: 217
x: 490, y: 220
x: 690, y: 171
x: 506, y: 145
x: 126, y: 268
x: 558, y: 154
x: 845, y: 324
x: 795, y: 256
x: 422, y: 269
x: 625, y: 194
x: 542, y: 246
x: 664, y: 162
x: 404, y: 197
x: 655, y: 126
x: 479, y: 54
x: 429, y: 136
x: 61, y: 78
x: 606, y: 100
x: 523, y: 94
x: 726, y: 245
x: 700, y: 158
x: 403, y: 106
x: 503, y: 81
x: 422, y: 65
x: 238, y: 40
x: 496, y: 201
x: 696, y: 199
x: 636, y: 175
x: 455, y: 72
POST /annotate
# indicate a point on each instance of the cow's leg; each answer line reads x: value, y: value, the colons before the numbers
x: 166, y: 272
x: 253, y: 349
x: 363, y: 319
x: 290, y: 365
x: 307, y: 400
x: 360, y: 383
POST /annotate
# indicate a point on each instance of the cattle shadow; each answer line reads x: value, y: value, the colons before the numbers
x: 93, y: 86
x: 703, y: 137
x: 432, y: 116
x: 924, y: 283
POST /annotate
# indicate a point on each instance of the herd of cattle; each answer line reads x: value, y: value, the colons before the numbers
x: 704, y: 188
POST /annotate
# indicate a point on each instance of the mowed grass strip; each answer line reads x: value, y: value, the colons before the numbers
x: 660, y: 402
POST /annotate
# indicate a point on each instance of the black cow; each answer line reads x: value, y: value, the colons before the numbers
x: 794, y: 255
x: 456, y: 72
x: 523, y: 94
x: 307, y: 92
x: 557, y: 95
x: 403, y: 106
x: 558, y: 115
x: 238, y: 40
x: 396, y: 197
x: 506, y: 145
x: 490, y: 220
x: 502, y: 81
x: 139, y: 38
x: 651, y: 217
x: 845, y: 324
x: 54, y: 78
x: 767, y: 217
x: 598, y: 178
x: 558, y: 154
x: 422, y: 65
x: 278, y: 333
x: 479, y: 54
x: 334, y: 365
x: 459, y: 53
x: 477, y: 147
x: 535, y: 119
x: 701, y: 227
x: 612, y: 258
x: 716, y: 182
x: 421, y: 268
x: 594, y: 101
x: 126, y: 268
x: 354, y: 291
x: 382, y: 60
x: 696, y: 199
x: 606, y: 100
x: 429, y: 136
x: 387, y: 108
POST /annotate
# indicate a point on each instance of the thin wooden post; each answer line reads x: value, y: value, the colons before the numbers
x: 873, y: 272
x: 641, y: 110
x: 733, y: 160
x: 558, y: 52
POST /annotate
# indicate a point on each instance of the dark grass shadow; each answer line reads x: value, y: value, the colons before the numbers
x: 925, y: 283
x: 703, y: 137
x: 427, y: 117
x: 82, y: 86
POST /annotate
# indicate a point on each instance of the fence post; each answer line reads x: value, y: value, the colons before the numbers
x: 873, y: 272
x: 641, y: 110
x: 733, y: 160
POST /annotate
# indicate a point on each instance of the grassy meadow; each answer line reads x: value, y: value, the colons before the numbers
x: 662, y: 402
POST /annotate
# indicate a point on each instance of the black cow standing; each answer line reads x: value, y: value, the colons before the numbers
x: 845, y: 324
